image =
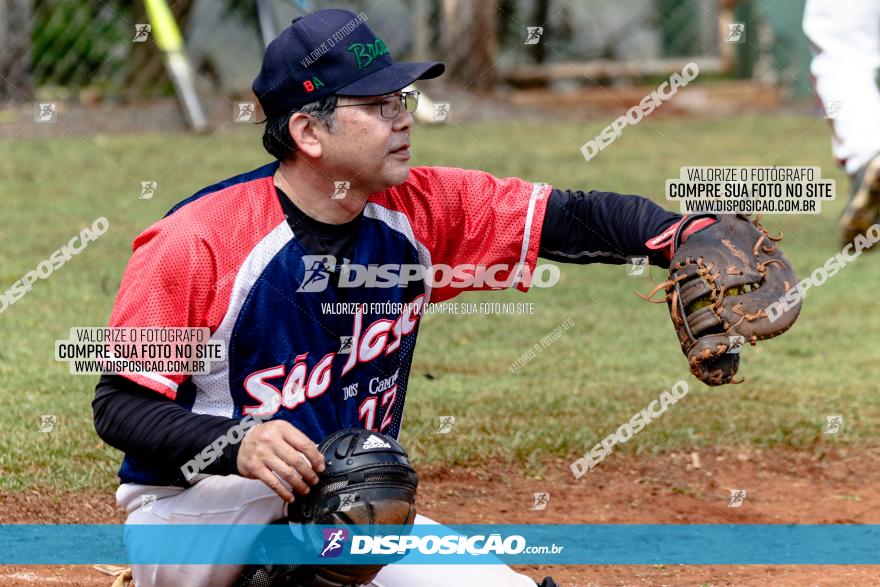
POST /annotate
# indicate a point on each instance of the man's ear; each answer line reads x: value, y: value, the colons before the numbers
x: 302, y: 128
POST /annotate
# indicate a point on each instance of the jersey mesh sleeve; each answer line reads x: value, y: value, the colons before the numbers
x: 471, y: 218
x: 184, y: 267
x: 167, y: 283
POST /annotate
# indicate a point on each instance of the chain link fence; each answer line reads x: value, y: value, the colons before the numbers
x: 78, y: 49
x: 90, y: 50
x: 581, y: 30
x: 85, y: 50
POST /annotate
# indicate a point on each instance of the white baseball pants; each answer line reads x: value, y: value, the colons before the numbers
x: 846, y: 39
x: 235, y: 500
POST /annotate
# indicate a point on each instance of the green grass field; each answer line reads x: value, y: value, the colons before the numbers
x: 620, y: 353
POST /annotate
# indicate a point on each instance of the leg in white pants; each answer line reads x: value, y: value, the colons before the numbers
x: 846, y: 39
x: 215, y: 500
x: 236, y: 500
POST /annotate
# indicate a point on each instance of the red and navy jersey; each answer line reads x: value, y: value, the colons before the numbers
x: 228, y: 260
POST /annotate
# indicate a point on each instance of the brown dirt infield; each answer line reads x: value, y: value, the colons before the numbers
x: 783, y: 486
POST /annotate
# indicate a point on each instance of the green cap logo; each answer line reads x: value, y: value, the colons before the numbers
x: 365, y: 53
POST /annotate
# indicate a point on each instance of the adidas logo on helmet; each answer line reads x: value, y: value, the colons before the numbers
x: 374, y: 442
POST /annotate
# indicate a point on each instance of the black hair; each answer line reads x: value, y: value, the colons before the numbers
x: 276, y: 134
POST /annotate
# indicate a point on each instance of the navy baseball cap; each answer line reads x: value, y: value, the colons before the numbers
x: 331, y: 52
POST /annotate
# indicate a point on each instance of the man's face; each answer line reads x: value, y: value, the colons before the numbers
x: 370, y: 151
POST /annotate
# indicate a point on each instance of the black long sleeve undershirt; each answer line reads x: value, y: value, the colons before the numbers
x: 592, y: 227
x: 155, y: 430
x: 602, y: 227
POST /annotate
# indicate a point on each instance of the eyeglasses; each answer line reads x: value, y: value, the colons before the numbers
x: 390, y: 107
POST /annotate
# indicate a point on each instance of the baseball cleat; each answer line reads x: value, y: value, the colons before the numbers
x: 547, y: 582
x: 863, y: 209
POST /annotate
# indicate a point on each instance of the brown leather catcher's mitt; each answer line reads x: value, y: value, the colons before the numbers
x: 721, y: 280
